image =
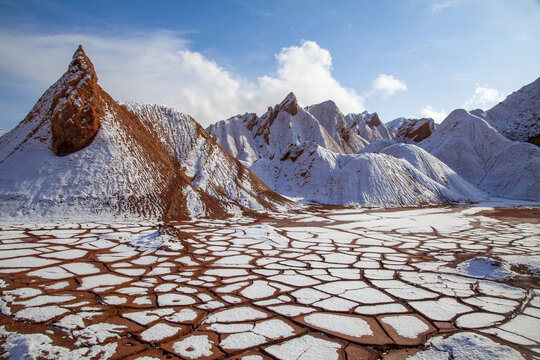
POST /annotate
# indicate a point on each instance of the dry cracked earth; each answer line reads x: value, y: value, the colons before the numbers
x: 428, y: 283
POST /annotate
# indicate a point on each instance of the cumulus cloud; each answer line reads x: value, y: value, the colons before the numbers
x: 306, y: 70
x: 437, y: 115
x: 387, y: 85
x: 484, y: 98
x: 160, y: 68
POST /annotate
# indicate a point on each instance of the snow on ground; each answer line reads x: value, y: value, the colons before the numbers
x: 356, y: 282
x: 464, y: 346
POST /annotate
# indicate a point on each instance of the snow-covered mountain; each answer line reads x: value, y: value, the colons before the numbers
x: 271, y: 136
x: 518, y: 116
x: 316, y: 154
x: 475, y: 150
x: 369, y: 126
x: 400, y: 175
x: 80, y: 154
x: 395, y: 124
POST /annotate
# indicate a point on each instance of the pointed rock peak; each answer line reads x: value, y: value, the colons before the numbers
x: 76, y: 115
x: 289, y: 98
x: 374, y: 121
x: 289, y: 104
x: 81, y: 63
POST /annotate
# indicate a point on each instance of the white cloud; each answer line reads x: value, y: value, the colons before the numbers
x: 160, y: 68
x: 387, y: 85
x: 437, y: 115
x: 484, y: 98
x: 305, y: 70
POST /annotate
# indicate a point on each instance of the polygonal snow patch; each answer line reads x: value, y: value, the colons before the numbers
x: 193, y: 347
x: 306, y: 347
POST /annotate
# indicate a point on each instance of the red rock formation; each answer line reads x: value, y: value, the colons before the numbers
x: 77, y: 110
x: 415, y: 129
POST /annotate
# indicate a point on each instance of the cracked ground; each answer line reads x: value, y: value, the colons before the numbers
x: 325, y: 284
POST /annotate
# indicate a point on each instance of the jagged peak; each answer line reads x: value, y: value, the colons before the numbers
x: 289, y: 104
x: 81, y: 63
x: 374, y: 121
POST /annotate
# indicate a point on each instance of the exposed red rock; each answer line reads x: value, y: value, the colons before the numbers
x: 77, y: 110
x: 415, y: 129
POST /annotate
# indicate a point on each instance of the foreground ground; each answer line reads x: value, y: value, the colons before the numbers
x: 432, y: 283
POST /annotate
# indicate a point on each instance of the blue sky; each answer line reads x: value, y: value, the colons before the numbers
x: 214, y: 59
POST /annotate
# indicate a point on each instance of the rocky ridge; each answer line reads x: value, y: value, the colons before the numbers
x: 314, y: 154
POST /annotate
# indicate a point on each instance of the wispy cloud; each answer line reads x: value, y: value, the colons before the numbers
x: 160, y: 68
x: 484, y: 97
x: 439, y: 5
x: 387, y: 85
x: 437, y: 115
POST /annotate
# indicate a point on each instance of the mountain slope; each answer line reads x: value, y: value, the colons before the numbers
x: 395, y: 124
x: 477, y: 152
x: 80, y: 154
x: 322, y: 176
x: 518, y: 116
x: 335, y: 123
x: 308, y: 153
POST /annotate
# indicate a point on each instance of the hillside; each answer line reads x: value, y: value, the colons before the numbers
x: 78, y: 153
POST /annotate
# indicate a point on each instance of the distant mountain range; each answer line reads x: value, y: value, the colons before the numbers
x: 81, y: 155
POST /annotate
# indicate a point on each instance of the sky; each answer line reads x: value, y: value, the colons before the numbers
x: 216, y: 59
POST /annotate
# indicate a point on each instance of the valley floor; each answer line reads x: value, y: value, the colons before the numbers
x: 430, y: 283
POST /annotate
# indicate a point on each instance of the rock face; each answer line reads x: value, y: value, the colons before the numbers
x: 415, y: 130
x: 518, y: 116
x: 369, y: 126
x: 77, y: 112
x: 116, y: 160
x: 315, y: 154
x: 475, y: 150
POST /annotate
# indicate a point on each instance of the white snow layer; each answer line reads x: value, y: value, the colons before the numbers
x: 312, y: 155
x: 466, y: 345
x: 477, y: 152
x: 518, y: 116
